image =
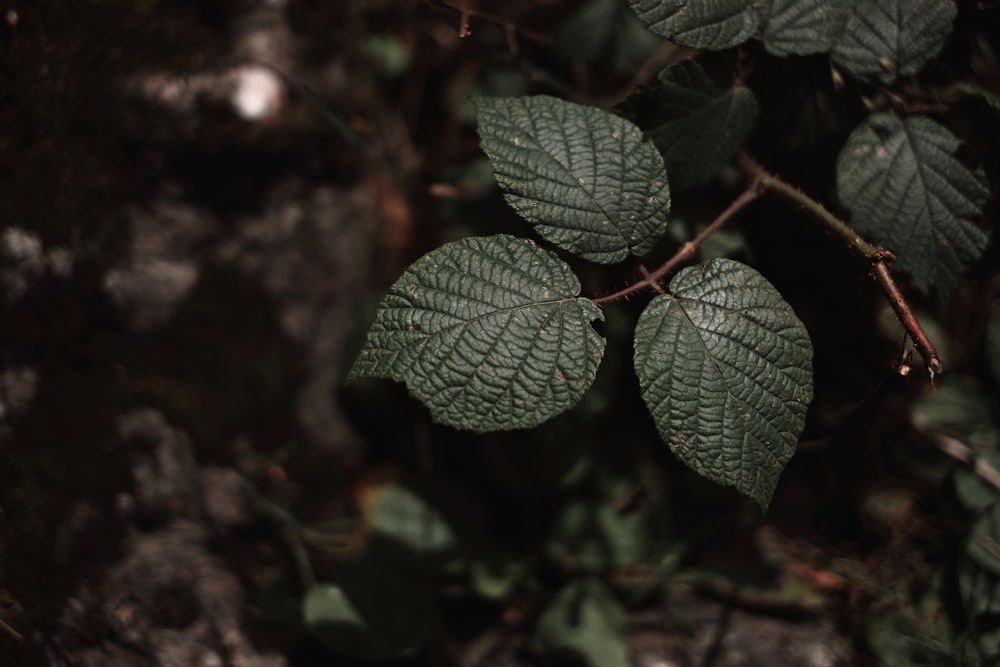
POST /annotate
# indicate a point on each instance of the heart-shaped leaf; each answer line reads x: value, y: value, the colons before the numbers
x: 725, y: 368
x: 489, y: 333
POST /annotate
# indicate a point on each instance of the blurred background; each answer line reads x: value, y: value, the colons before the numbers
x: 201, y: 202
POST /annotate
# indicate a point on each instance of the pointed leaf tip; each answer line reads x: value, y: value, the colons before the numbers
x: 725, y: 368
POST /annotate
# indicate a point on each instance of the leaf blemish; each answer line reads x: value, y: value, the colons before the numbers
x: 517, y: 141
x: 412, y: 291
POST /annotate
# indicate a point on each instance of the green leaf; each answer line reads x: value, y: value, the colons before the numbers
x: 707, y: 24
x: 696, y: 124
x: 786, y: 26
x: 725, y: 368
x: 372, y: 613
x: 587, y: 179
x: 905, y: 189
x: 889, y: 38
x: 984, y: 540
x: 489, y: 333
x: 606, y: 31
x: 804, y: 26
x: 585, y: 621
x: 401, y: 516
x: 594, y: 536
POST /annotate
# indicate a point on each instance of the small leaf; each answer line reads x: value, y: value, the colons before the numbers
x: 889, y: 38
x: 489, y: 333
x: 904, y: 188
x: 696, y: 124
x: 398, y: 514
x: 804, y: 26
x: 585, y: 621
x: 708, y: 24
x: 725, y: 368
x: 372, y: 613
x: 596, y: 537
x: 587, y: 179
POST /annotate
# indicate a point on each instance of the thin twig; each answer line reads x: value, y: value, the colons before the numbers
x: 880, y: 271
x: 687, y: 251
x: 11, y: 631
x: 834, y: 224
x: 655, y: 285
x: 878, y: 258
x: 508, y: 26
x: 957, y: 449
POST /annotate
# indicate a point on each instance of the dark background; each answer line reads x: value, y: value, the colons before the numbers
x: 183, y: 287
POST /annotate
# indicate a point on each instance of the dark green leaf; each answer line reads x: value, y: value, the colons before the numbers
x: 906, y: 190
x: 786, y: 26
x: 587, y: 179
x: 804, y: 26
x: 596, y: 536
x: 585, y: 621
x: 696, y: 124
x: 706, y: 24
x: 489, y: 333
x: 888, y: 38
x: 373, y: 614
x: 725, y: 368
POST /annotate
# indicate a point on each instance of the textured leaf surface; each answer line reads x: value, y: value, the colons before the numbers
x: 489, y: 333
x: 705, y: 24
x: 587, y: 179
x: 725, y: 368
x: 804, y: 26
x: 888, y: 38
x: 586, y: 621
x: 905, y: 189
x: 785, y: 26
x: 696, y: 124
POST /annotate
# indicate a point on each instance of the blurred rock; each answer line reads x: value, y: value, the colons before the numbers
x: 162, y: 265
x: 18, y: 386
x: 24, y: 262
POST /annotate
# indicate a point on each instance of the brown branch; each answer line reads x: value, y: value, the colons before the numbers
x: 687, y: 251
x: 880, y: 271
x: 509, y: 27
x: 11, y: 631
x: 878, y: 258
